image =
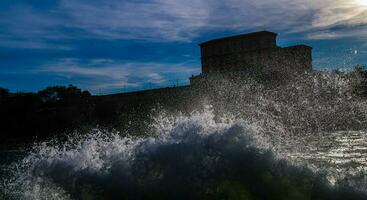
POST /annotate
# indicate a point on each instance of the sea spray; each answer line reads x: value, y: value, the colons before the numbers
x: 302, y: 140
x: 191, y: 157
x: 52, y: 167
x: 318, y: 119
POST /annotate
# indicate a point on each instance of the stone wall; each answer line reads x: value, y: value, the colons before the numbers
x: 255, y: 53
x: 222, y: 52
x: 133, y: 111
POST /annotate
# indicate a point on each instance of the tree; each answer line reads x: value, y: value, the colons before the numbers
x: 4, y: 96
x: 62, y: 94
x: 4, y: 93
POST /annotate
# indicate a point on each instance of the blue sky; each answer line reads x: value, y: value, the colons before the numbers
x: 108, y: 46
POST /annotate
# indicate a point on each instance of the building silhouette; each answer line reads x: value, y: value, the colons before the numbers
x: 256, y: 54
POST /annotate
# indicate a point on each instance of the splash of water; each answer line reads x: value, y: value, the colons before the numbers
x: 318, y: 120
x: 85, y: 163
x: 305, y: 140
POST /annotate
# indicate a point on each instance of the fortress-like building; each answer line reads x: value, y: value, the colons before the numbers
x: 255, y: 53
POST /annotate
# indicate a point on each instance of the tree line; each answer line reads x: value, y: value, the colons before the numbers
x: 28, y: 116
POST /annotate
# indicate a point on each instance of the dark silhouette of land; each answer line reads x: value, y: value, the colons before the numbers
x: 27, y: 116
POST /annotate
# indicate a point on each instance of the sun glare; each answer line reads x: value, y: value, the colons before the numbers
x: 362, y: 2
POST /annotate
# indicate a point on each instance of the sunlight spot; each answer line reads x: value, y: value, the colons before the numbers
x: 361, y: 2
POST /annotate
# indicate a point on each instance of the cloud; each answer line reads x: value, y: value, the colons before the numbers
x: 150, y: 20
x: 176, y: 20
x: 107, y: 75
x: 23, y: 26
x: 336, y: 34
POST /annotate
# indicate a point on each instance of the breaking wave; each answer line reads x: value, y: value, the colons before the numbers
x: 303, y: 141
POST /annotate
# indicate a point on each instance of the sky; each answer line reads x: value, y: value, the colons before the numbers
x: 110, y: 46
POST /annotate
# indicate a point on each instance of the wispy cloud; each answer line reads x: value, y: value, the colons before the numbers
x: 151, y: 20
x: 24, y: 27
x: 176, y: 20
x: 337, y: 33
x: 107, y: 75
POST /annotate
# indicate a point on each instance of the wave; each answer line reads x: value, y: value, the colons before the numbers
x: 191, y: 157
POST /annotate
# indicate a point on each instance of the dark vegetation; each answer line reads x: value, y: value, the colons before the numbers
x: 25, y: 117
x: 59, y: 111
